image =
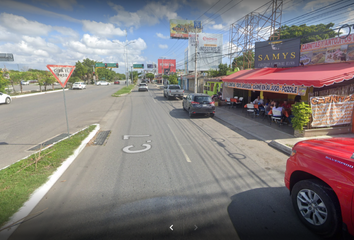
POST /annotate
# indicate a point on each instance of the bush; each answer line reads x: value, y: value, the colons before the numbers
x: 302, y: 113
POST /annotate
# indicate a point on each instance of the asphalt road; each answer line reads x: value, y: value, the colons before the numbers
x: 29, y: 121
x: 199, y: 177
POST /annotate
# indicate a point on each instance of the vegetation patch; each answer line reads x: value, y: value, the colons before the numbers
x: 21, y: 179
x: 123, y: 90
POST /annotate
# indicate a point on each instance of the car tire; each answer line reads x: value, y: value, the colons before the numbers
x: 8, y: 101
x: 211, y: 115
x: 190, y: 113
x: 322, y: 216
x: 183, y: 107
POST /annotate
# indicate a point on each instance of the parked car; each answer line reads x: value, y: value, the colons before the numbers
x: 320, y: 177
x: 116, y: 82
x: 173, y: 91
x: 102, y: 83
x: 79, y: 85
x: 199, y: 103
x: 143, y: 87
x: 24, y: 82
x: 4, y: 98
x: 32, y: 81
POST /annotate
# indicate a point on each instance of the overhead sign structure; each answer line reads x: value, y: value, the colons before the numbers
x: 106, y: 65
x: 278, y: 53
x: 6, y: 57
x: 180, y: 28
x: 138, y: 66
x: 61, y: 72
x: 151, y: 65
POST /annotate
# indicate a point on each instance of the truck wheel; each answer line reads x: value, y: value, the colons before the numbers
x: 317, y: 207
x: 190, y: 113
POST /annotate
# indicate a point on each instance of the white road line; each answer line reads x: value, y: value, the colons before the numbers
x: 180, y: 146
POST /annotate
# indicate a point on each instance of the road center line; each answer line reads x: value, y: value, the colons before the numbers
x: 179, y: 144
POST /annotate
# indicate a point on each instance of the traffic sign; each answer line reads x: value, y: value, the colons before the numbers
x: 97, y: 65
x: 61, y: 72
x: 139, y: 66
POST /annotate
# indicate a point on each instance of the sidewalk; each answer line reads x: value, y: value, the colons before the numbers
x: 279, y: 137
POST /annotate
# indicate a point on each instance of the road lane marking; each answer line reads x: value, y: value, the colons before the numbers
x: 125, y: 137
x: 147, y: 147
x: 179, y: 144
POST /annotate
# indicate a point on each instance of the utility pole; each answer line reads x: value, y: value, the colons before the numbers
x: 126, y: 61
x: 131, y: 73
x: 195, y: 61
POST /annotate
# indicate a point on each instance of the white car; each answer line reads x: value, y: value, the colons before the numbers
x: 102, y: 83
x: 4, y: 98
x: 143, y: 87
x: 79, y: 85
x: 24, y: 82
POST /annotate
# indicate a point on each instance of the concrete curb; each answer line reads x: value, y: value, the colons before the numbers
x: 40, y: 192
x: 34, y: 94
x: 281, y: 147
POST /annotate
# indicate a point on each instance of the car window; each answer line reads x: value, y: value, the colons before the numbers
x: 174, y: 87
x: 203, y: 99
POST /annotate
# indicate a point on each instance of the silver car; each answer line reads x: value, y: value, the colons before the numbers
x: 102, y: 83
x: 199, y: 103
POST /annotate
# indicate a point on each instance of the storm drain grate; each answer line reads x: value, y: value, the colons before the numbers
x: 101, y: 137
x: 49, y: 142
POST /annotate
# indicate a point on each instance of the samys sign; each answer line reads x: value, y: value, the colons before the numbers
x: 278, y: 53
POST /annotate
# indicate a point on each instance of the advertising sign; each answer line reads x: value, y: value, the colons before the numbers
x: 282, y: 53
x: 151, y: 65
x: 332, y: 110
x: 209, y: 51
x: 328, y: 51
x: 138, y: 66
x: 180, y: 28
x: 276, y: 88
x: 165, y: 66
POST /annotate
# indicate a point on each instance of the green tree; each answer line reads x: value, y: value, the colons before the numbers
x: 15, y: 78
x: 150, y: 76
x: 308, y: 34
x: 3, y: 81
x: 48, y: 79
x: 80, y: 70
x: 302, y: 113
x: 173, y: 79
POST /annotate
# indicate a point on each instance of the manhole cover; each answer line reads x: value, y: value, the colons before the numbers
x: 101, y: 137
x: 49, y: 142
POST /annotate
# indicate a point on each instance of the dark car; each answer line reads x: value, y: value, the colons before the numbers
x: 199, y: 103
x: 116, y: 82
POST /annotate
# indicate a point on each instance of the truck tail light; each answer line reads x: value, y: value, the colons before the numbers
x: 293, y: 152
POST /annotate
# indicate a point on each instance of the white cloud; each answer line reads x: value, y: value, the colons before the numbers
x: 150, y: 14
x: 163, y: 46
x: 19, y: 24
x: 102, y: 29
x: 218, y: 27
x: 66, y: 31
x: 311, y: 5
x: 160, y: 35
x: 64, y: 4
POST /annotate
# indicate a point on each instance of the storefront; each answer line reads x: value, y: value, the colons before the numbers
x: 213, y: 85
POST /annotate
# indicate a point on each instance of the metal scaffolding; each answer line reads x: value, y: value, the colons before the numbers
x: 257, y: 26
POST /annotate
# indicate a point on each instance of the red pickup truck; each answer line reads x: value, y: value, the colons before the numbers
x: 320, y: 177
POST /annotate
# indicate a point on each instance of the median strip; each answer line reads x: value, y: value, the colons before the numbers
x: 32, y: 177
x: 123, y: 91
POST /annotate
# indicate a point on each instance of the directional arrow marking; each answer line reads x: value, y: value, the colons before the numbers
x: 171, y: 227
x: 195, y: 227
x: 147, y: 147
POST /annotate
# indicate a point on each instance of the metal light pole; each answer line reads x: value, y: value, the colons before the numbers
x: 126, y: 62
x: 195, y: 76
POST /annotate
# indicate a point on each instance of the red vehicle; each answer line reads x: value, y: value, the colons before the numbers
x: 116, y: 82
x: 320, y: 177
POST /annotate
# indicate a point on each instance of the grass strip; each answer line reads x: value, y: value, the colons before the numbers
x: 21, y: 179
x: 123, y: 90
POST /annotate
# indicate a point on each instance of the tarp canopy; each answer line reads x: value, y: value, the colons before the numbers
x: 312, y: 75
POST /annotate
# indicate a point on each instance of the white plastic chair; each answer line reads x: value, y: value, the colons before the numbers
x: 250, y: 109
x: 277, y: 117
x: 228, y: 102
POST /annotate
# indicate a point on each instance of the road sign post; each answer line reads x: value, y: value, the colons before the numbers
x: 62, y: 74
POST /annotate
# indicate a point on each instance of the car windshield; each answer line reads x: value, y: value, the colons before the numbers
x: 203, y: 99
x: 142, y: 85
x: 175, y: 87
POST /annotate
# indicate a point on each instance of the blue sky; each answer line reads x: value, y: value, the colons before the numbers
x: 41, y: 32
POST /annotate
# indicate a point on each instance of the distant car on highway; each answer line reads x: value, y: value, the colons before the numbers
x: 116, y: 82
x: 24, y: 82
x: 79, y: 85
x: 319, y: 174
x: 99, y: 83
x: 143, y: 87
x: 4, y: 98
x: 199, y: 103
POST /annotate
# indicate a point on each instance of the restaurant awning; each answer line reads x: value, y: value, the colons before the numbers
x: 312, y: 75
x: 246, y: 74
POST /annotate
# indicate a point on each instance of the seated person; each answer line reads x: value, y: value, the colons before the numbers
x: 278, y: 108
x: 286, y: 108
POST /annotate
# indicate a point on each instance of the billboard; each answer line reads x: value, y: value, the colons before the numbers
x: 151, y: 66
x: 209, y: 51
x: 282, y: 53
x: 165, y: 66
x: 328, y: 51
x: 180, y: 28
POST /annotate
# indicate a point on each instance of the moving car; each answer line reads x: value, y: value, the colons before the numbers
x: 320, y: 177
x: 102, y: 83
x: 199, y: 103
x: 4, y: 98
x: 24, y: 82
x: 79, y: 85
x: 116, y: 82
x: 143, y: 87
x: 173, y: 91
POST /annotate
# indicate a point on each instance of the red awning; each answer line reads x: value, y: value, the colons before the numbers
x: 313, y: 75
x: 249, y: 73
